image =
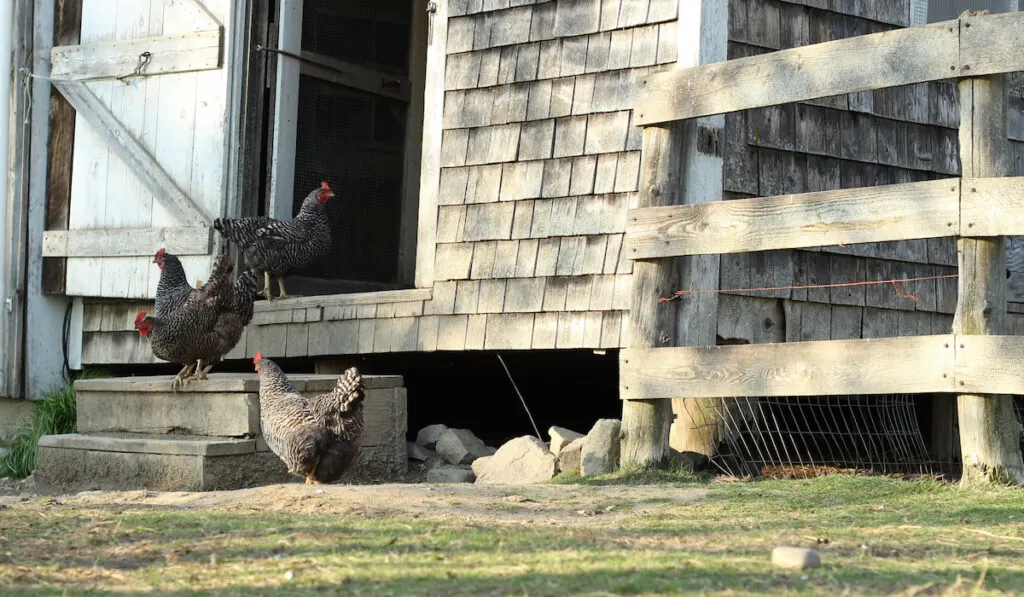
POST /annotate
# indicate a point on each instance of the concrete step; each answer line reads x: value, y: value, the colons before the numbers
x: 225, y: 405
x: 129, y: 461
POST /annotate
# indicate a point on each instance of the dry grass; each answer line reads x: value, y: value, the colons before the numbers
x: 877, y: 536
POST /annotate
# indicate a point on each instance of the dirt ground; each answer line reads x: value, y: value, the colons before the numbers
x: 554, y: 504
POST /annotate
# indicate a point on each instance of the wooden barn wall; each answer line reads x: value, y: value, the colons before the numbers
x: 896, y: 135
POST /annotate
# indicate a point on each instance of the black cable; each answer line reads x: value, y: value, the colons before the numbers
x: 66, y: 340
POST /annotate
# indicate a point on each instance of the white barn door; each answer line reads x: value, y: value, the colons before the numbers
x: 150, y: 86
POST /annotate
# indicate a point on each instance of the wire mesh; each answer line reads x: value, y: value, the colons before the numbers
x: 353, y: 139
x: 799, y: 437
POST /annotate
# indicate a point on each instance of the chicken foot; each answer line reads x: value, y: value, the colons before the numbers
x: 309, y: 477
x: 199, y: 372
x: 179, y: 380
x: 283, y: 294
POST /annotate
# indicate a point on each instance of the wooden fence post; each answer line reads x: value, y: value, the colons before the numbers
x: 989, y: 438
x: 646, y: 423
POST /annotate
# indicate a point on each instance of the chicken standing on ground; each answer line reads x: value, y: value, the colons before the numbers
x: 197, y: 326
x: 280, y: 247
x: 317, y: 438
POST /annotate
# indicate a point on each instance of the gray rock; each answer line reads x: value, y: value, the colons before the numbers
x: 417, y: 452
x: 428, y: 436
x: 560, y: 438
x: 450, y: 474
x: 3, y: 453
x: 521, y: 461
x: 460, y: 446
x: 797, y: 558
x: 570, y: 455
x: 600, y: 452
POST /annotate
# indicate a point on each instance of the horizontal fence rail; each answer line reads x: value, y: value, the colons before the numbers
x: 965, y: 47
x: 902, y: 365
x: 930, y: 209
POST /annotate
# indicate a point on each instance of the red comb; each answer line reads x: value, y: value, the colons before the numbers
x: 324, y: 185
x: 140, y: 317
x: 257, y: 358
x: 161, y: 251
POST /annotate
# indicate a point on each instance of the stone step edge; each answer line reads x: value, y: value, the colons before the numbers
x: 148, y: 444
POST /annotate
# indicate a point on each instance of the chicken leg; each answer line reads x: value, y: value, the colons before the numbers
x: 179, y: 380
x: 266, y: 286
x: 283, y: 295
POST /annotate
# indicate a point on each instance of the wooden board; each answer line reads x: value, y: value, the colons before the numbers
x: 877, y: 366
x: 886, y: 59
x: 992, y: 206
x: 992, y: 44
x: 124, y: 242
x: 189, y: 52
x: 871, y: 214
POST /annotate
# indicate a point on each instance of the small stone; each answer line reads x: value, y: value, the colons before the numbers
x: 418, y: 452
x: 460, y: 446
x: 560, y: 438
x: 569, y: 457
x: 797, y: 558
x: 428, y: 436
x: 600, y: 452
x: 520, y: 461
x: 3, y: 453
x: 450, y: 474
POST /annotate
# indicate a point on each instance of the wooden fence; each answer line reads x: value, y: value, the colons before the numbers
x: 978, y: 361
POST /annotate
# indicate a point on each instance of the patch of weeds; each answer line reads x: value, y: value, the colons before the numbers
x: 55, y: 414
x: 506, y: 507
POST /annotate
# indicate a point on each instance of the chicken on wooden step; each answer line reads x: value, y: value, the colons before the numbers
x: 317, y: 438
x: 197, y: 326
x: 280, y: 247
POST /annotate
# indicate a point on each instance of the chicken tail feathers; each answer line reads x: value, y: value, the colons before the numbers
x: 349, y: 389
x: 247, y: 286
x: 240, y: 230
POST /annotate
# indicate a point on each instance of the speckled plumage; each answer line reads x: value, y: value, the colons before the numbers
x: 315, y: 437
x: 193, y: 324
x: 280, y: 247
x: 173, y: 288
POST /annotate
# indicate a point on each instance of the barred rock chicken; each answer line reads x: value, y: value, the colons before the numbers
x: 317, y: 438
x: 197, y: 326
x: 280, y: 247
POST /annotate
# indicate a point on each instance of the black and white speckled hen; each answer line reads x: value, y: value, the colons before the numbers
x: 280, y: 247
x: 317, y: 438
x: 197, y: 326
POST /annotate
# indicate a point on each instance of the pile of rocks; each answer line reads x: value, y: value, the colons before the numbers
x: 446, y: 453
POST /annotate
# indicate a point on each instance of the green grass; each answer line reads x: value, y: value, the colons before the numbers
x: 877, y: 536
x: 55, y: 414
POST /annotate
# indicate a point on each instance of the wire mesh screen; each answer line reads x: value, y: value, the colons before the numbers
x: 354, y: 139
x: 808, y: 436
x: 375, y: 34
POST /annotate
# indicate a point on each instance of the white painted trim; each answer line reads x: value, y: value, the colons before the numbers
x: 430, y: 160
x: 286, y: 107
x: 412, y: 175
x: 236, y: 62
x: 44, y: 356
x: 7, y: 203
